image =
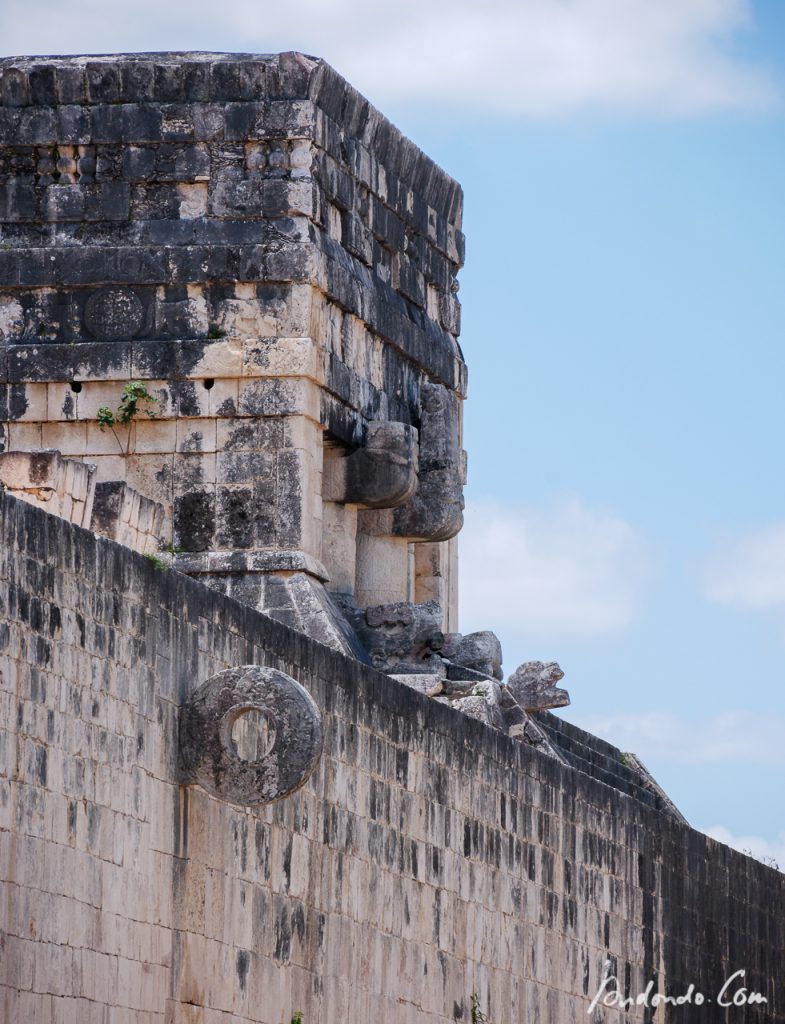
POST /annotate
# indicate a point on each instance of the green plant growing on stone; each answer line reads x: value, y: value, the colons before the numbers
x: 297, y: 1017
x: 168, y: 550
x: 478, y: 1017
x: 216, y: 332
x: 157, y: 562
x: 133, y: 395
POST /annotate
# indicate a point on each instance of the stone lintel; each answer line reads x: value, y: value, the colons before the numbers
x: 195, y: 564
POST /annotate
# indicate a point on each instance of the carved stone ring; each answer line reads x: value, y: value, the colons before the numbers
x: 250, y: 735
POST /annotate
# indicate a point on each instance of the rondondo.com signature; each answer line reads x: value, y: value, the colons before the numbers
x: 733, y: 993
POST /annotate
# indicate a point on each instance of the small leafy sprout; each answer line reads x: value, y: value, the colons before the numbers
x: 105, y: 417
x: 156, y: 562
x: 297, y: 1017
x: 133, y: 395
x: 216, y: 332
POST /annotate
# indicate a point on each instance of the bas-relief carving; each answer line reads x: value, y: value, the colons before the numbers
x: 180, y: 248
x: 229, y: 234
x: 223, y: 274
x: 435, y: 511
x: 380, y: 474
x: 113, y: 313
x: 533, y: 685
x: 465, y: 671
x: 282, y: 743
x: 401, y: 637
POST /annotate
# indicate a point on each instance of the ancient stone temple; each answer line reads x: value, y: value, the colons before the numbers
x: 278, y: 265
x: 250, y: 770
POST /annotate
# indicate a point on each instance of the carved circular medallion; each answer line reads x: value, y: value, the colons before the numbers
x: 250, y: 735
x: 113, y: 313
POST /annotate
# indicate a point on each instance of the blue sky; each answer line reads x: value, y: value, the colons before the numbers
x: 623, y: 323
x: 625, y: 352
x: 623, y: 313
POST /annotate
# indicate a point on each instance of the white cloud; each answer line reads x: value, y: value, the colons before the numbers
x: 771, y: 852
x: 733, y: 736
x: 528, y: 57
x: 749, y: 571
x: 566, y: 571
x: 747, y: 742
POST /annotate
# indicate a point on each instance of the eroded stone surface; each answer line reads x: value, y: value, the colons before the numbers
x: 380, y: 474
x: 422, y: 838
x: 482, y: 703
x: 481, y: 652
x: 127, y: 517
x: 533, y: 685
x: 429, y: 683
x: 278, y: 265
x: 208, y: 740
x: 252, y: 240
x: 435, y: 512
x: 113, y: 313
x: 401, y: 638
x: 64, y: 487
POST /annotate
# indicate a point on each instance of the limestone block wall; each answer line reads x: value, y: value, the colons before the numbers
x: 248, y: 236
x: 63, y: 487
x: 428, y: 861
x: 124, y: 515
x: 67, y: 488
